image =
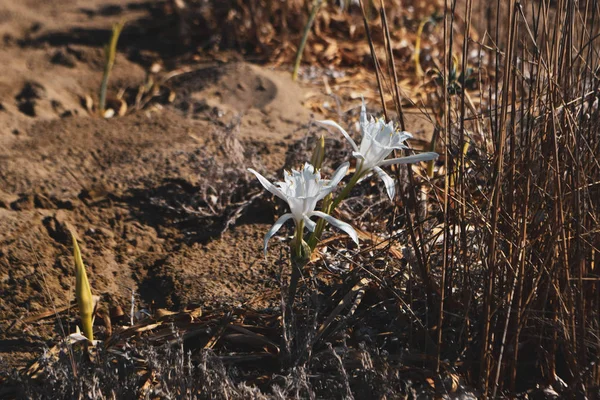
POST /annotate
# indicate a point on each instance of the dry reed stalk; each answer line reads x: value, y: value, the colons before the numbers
x: 532, y: 277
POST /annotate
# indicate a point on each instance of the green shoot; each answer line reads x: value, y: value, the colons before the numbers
x: 110, y: 51
x: 83, y: 293
x: 311, y: 19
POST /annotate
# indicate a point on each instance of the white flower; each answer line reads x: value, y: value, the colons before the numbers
x: 302, y: 190
x: 378, y: 141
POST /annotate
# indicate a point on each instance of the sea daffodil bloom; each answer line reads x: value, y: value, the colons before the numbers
x: 379, y: 139
x: 302, y: 190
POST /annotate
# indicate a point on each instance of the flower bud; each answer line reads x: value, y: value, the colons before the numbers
x: 83, y: 293
x: 318, y: 153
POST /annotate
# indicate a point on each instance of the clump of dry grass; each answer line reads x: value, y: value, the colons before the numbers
x: 171, y: 373
x: 509, y: 261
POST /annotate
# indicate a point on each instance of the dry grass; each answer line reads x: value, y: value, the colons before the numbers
x: 517, y: 240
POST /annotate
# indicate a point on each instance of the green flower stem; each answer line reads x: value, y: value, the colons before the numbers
x: 346, y: 191
x: 314, y: 236
x: 297, y: 241
x: 328, y: 207
x: 300, y: 257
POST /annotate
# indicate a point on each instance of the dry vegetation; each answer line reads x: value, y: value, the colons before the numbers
x: 487, y: 282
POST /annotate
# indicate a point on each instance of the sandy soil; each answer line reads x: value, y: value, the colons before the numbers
x: 149, y: 194
x: 152, y: 195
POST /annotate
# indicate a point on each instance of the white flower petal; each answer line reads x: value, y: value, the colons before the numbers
x: 268, y: 185
x: 356, y: 154
x: 339, y: 173
x: 330, y: 186
x: 310, y: 182
x: 278, y: 224
x: 363, y: 112
x: 309, y: 170
x: 365, y: 176
x: 390, y: 184
x: 410, y: 159
x: 384, y: 134
x: 310, y: 225
x: 338, y: 224
x: 377, y: 153
x: 346, y: 135
x: 398, y: 139
x: 299, y: 206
